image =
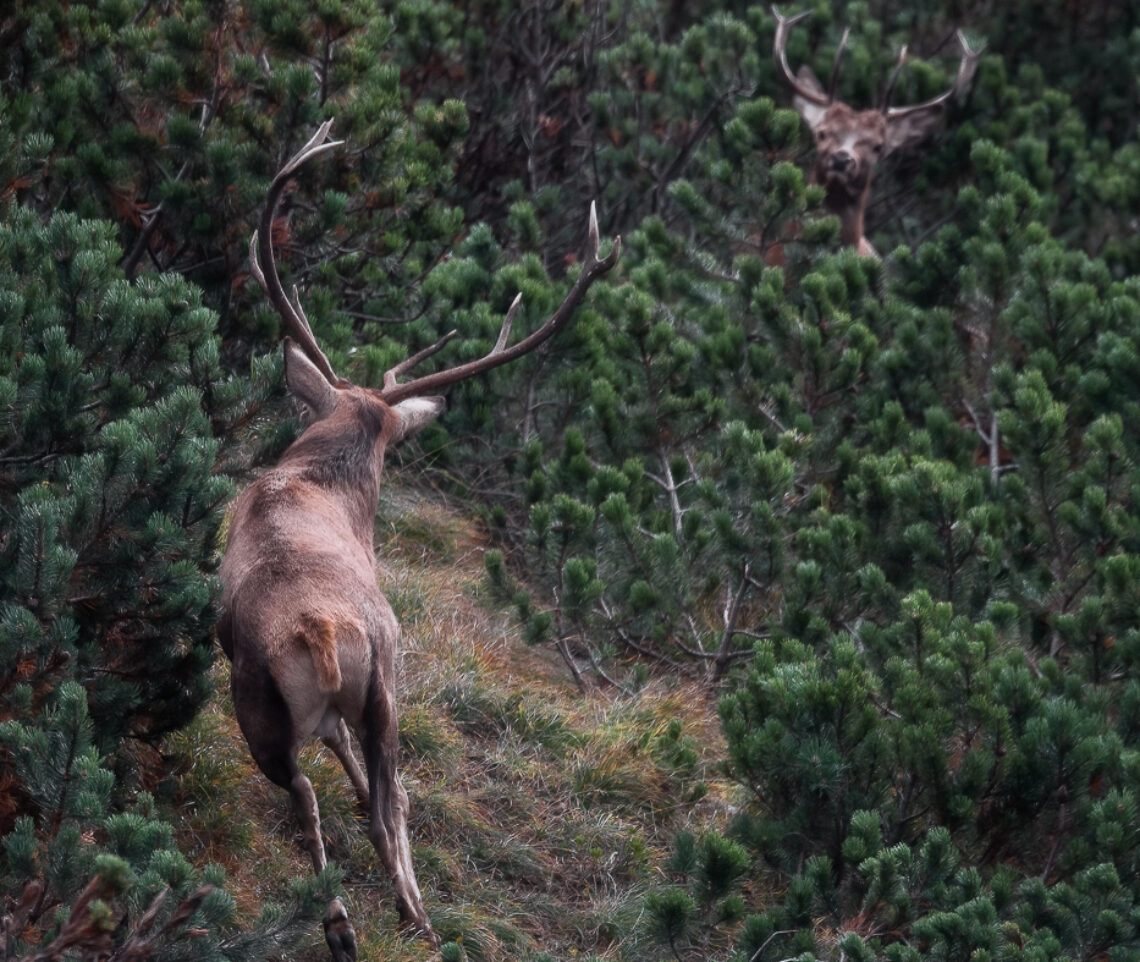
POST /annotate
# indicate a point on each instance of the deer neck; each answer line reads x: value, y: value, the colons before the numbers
x: 347, y: 469
x: 850, y: 209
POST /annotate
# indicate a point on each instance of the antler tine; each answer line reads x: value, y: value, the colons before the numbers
x: 393, y: 373
x: 593, y: 268
x: 316, y: 145
x: 780, y: 53
x: 296, y: 303
x: 966, y: 68
x: 505, y: 330
x: 894, y: 79
x: 835, y: 65
x: 261, y: 251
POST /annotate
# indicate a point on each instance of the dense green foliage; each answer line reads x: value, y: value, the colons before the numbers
x: 111, y: 495
x: 111, y: 502
x: 889, y: 506
x: 90, y: 875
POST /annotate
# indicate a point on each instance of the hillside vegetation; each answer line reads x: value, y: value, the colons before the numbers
x: 783, y: 607
x: 539, y: 818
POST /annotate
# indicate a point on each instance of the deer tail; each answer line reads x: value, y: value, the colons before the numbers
x: 318, y: 634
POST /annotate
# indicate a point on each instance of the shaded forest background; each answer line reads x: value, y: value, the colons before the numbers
x: 882, y: 513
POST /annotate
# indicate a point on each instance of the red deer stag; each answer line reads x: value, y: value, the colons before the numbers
x: 850, y: 142
x: 311, y: 638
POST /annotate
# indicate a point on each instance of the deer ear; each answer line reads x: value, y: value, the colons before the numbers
x: 415, y: 413
x: 811, y: 112
x: 911, y: 129
x: 306, y: 383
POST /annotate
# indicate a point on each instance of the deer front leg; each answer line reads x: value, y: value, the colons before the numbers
x: 305, y: 805
x: 339, y: 742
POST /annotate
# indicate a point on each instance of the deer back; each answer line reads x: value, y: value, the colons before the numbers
x: 299, y: 570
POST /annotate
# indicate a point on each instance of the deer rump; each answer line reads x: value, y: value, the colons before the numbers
x: 316, y: 615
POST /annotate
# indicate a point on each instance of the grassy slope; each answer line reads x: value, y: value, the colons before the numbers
x: 539, y: 817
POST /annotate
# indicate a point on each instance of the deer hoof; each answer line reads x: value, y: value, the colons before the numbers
x: 339, y: 934
x: 411, y: 928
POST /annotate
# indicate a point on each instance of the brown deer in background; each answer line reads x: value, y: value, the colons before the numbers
x: 311, y: 637
x: 850, y: 142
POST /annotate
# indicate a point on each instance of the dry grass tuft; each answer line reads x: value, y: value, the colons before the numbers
x: 539, y: 816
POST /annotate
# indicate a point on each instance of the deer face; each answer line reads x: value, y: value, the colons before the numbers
x: 848, y: 144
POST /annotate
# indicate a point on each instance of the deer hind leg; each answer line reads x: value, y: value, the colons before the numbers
x: 388, y: 814
x: 339, y: 933
x: 267, y: 726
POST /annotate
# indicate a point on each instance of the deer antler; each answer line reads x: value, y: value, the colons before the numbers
x: 780, y: 53
x: 835, y: 64
x: 261, y: 251
x: 899, y: 64
x: 966, y: 68
x: 592, y: 269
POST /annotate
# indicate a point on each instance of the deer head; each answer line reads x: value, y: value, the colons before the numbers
x: 849, y: 143
x: 311, y: 638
